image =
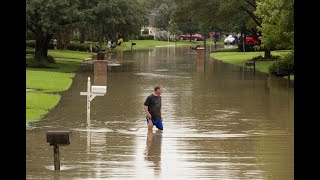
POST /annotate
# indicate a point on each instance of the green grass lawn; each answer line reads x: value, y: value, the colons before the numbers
x: 291, y: 77
x: 239, y: 58
x: 47, y: 80
x: 38, y: 104
x: 149, y: 44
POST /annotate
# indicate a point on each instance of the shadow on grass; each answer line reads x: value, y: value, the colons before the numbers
x: 63, y: 65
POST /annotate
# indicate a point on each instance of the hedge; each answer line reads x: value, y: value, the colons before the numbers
x: 32, y: 44
x: 274, y: 69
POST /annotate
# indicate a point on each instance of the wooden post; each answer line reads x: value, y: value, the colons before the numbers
x: 88, y: 99
x: 56, y: 157
x: 254, y: 67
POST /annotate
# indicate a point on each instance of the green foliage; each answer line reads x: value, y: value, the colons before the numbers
x: 31, y: 43
x: 284, y: 62
x: 145, y: 31
x: 248, y: 47
x: 277, y: 23
x: 145, y: 37
x: 29, y: 51
x: 81, y: 47
x: 227, y: 50
x: 44, y: 18
x: 163, y: 18
x: 42, y: 63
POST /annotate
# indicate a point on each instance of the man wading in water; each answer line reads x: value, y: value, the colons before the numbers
x: 152, y: 107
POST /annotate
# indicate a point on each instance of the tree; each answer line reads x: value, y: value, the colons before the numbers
x: 110, y: 17
x: 162, y: 20
x: 46, y: 17
x: 277, y: 23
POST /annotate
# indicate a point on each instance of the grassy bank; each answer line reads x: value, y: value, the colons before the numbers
x: 48, y: 81
x: 149, y: 44
x: 239, y: 58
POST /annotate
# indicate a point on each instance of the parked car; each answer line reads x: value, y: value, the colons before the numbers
x: 195, y: 37
x: 229, y: 40
x: 250, y: 40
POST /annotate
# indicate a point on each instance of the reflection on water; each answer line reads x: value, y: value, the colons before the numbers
x: 153, y: 150
x: 220, y: 123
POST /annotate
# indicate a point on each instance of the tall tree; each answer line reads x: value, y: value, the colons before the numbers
x: 45, y: 17
x: 277, y: 23
x: 163, y: 18
x: 110, y: 17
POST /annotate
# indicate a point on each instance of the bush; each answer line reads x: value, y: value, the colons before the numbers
x: 30, y: 51
x: 50, y: 59
x: 282, y: 63
x: 31, y: 43
x: 145, y: 31
x: 248, y: 47
x: 261, y: 58
x: 82, y: 47
x: 33, y: 63
x: 226, y: 50
x: 77, y: 47
x: 145, y: 37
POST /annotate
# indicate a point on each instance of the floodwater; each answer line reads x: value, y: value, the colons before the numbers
x: 219, y: 123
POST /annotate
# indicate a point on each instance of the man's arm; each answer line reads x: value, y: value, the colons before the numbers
x: 147, y: 112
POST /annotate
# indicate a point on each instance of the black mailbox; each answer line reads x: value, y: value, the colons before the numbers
x: 133, y: 44
x: 58, y: 137
x: 250, y: 63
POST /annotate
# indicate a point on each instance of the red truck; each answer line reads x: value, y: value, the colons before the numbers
x: 250, y: 40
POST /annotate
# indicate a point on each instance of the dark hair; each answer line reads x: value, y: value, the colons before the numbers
x: 157, y: 87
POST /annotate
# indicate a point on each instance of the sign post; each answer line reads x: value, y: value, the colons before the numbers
x: 92, y: 92
x: 211, y: 39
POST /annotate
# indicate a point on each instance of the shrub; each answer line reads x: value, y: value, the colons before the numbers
x: 226, y: 50
x: 32, y: 62
x: 50, y: 59
x: 282, y: 63
x: 145, y: 37
x: 78, y: 47
x: 31, y: 43
x: 30, y: 51
x: 82, y: 47
x: 261, y: 58
x: 248, y: 47
x: 145, y: 31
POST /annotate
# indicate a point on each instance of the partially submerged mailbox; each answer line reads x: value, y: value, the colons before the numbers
x: 56, y: 139
x: 59, y: 138
x: 99, y: 89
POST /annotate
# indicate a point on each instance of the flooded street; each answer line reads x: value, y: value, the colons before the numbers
x: 219, y: 123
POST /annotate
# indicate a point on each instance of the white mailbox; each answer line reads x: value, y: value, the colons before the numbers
x: 99, y: 89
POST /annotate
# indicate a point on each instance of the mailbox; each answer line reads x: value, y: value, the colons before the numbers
x: 99, y: 89
x: 133, y: 44
x: 58, y: 137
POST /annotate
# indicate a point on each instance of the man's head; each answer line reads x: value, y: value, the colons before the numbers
x: 158, y: 90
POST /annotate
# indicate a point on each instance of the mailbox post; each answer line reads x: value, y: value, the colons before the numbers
x: 56, y: 139
x: 92, y: 92
x: 132, y: 44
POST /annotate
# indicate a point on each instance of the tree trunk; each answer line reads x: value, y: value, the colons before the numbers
x: 42, y: 44
x: 82, y: 35
x: 100, y: 43
x: 190, y: 37
x: 267, y: 53
x: 204, y: 42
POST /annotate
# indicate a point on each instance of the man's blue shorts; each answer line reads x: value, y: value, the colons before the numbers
x: 157, y: 123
